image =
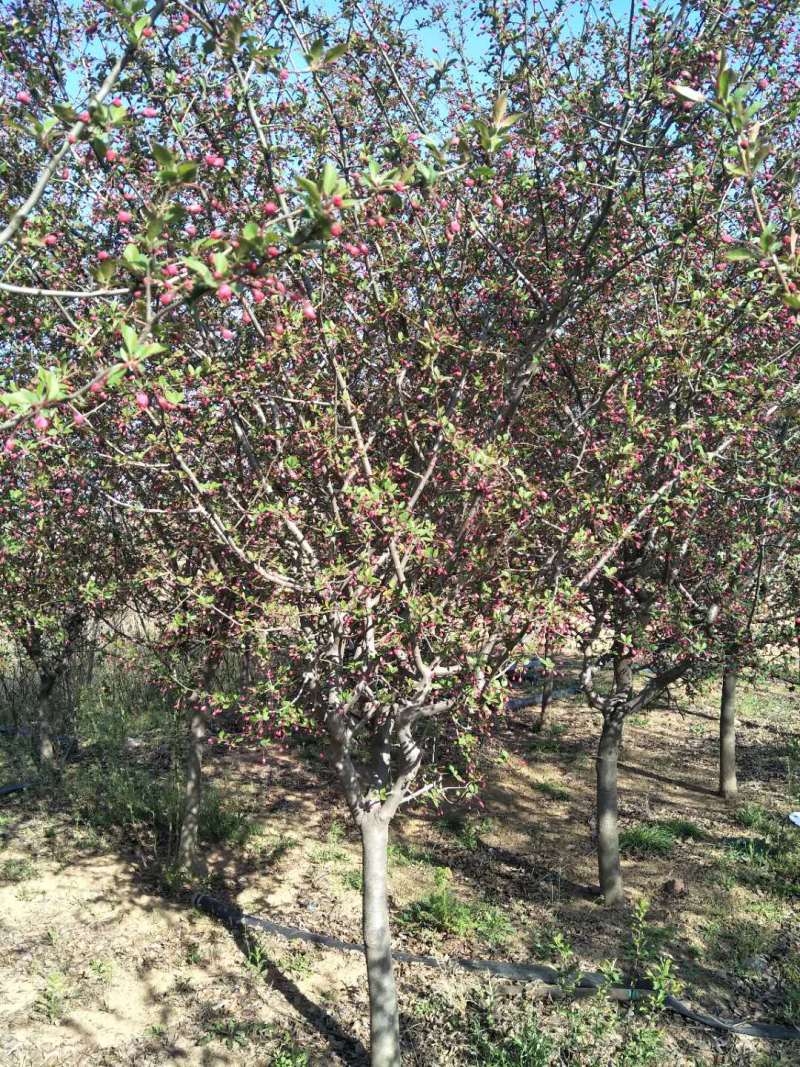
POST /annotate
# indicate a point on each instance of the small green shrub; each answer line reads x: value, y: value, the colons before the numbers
x: 353, y: 880
x: 647, y: 840
x: 233, y: 1034
x: 555, y: 792
x: 685, y: 829
x: 18, y: 870
x: 403, y: 855
x: 467, y: 831
x: 754, y: 817
x: 525, y: 1046
x: 441, y: 910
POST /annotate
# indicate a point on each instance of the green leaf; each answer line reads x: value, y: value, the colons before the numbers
x: 163, y: 155
x: 311, y: 189
x: 200, y: 268
x: 330, y: 179
x: 187, y: 172
x: 315, y: 53
x: 116, y: 374
x: 500, y: 108
x: 250, y: 231
x: 684, y: 92
x: 107, y: 270
x: 66, y: 113
x: 724, y: 83
x: 741, y: 253
x: 336, y: 52
x: 140, y: 25
x: 129, y: 338
x: 133, y: 255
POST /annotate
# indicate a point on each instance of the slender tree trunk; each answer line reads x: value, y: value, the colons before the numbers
x: 623, y: 671
x: 727, y: 733
x: 91, y: 653
x: 190, y: 826
x: 47, y: 754
x: 384, y: 1018
x: 547, y: 688
x: 607, y: 827
x: 245, y: 666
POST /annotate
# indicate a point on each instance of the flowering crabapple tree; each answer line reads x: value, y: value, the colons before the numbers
x: 60, y: 569
x: 338, y: 306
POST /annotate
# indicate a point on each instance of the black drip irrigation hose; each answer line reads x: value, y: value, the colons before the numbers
x: 545, y: 978
x: 68, y: 742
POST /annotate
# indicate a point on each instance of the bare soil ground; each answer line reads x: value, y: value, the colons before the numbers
x: 104, y: 961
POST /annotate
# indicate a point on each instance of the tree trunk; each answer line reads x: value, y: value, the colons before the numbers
x: 190, y: 827
x: 47, y: 754
x: 727, y: 733
x: 547, y: 689
x: 384, y: 1018
x: 623, y: 671
x: 607, y: 828
x: 245, y: 664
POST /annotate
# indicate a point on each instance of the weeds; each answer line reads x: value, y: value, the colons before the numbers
x: 467, y: 832
x: 296, y: 962
x: 403, y: 855
x: 102, y: 969
x: 555, y: 792
x: 233, y: 1034
x: 684, y: 829
x: 353, y: 880
x: 441, y: 910
x: 754, y: 817
x: 52, y: 1002
x: 18, y: 870
x: 645, y: 840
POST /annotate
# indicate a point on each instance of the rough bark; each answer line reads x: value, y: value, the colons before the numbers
x: 608, y: 863
x: 623, y: 671
x: 545, y: 717
x: 727, y: 734
x: 190, y: 826
x: 47, y: 753
x: 384, y: 1021
x: 193, y: 793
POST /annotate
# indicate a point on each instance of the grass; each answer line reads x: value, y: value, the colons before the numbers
x: 684, y: 829
x: 583, y: 1034
x: 647, y: 840
x: 770, y: 862
x: 554, y: 792
x: 467, y: 832
x: 18, y: 870
x: 122, y: 796
x: 403, y: 854
x: 353, y: 880
x: 441, y: 910
x: 52, y: 1001
x: 754, y: 817
x: 233, y: 1034
x: 659, y: 839
x: 332, y: 851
